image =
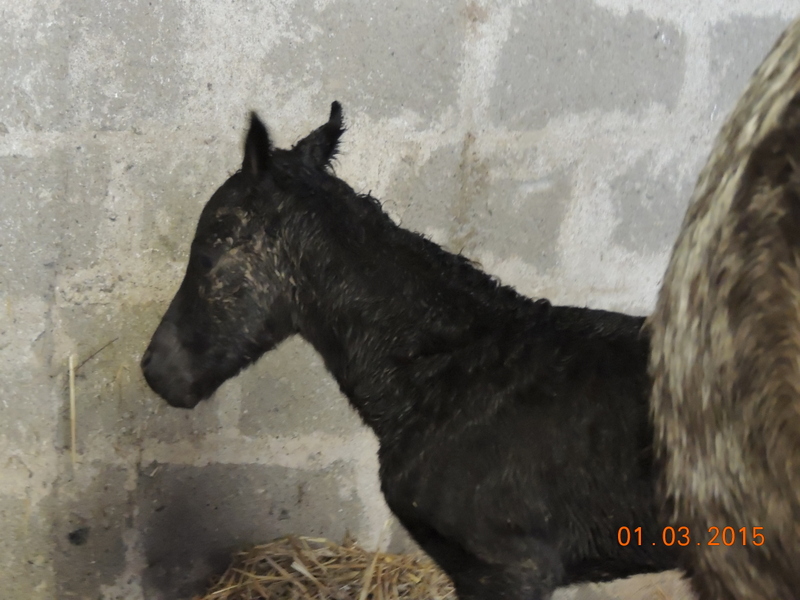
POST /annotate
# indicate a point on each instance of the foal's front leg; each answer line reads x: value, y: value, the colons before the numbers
x: 533, y: 577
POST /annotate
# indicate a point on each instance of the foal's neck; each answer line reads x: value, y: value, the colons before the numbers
x: 382, y: 305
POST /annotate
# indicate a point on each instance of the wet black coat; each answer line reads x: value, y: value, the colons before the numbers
x: 514, y: 437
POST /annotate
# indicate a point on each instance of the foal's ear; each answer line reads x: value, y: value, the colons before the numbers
x: 319, y: 147
x: 257, y: 148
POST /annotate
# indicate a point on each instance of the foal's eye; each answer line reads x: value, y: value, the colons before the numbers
x: 205, y: 262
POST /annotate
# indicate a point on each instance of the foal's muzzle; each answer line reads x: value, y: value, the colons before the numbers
x: 167, y: 369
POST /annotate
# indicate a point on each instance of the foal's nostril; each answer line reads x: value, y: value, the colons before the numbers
x: 148, y: 354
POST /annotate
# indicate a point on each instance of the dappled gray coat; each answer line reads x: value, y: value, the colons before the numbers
x: 726, y: 349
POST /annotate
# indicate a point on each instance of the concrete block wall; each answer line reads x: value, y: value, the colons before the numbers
x: 554, y: 141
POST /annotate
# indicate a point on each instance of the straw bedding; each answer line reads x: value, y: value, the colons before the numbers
x: 302, y: 568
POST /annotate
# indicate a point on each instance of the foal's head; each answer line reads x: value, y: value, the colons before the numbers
x: 235, y: 301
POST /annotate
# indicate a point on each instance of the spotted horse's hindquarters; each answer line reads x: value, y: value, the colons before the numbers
x: 725, y: 358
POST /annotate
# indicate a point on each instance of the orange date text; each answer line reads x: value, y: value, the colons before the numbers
x: 682, y: 536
